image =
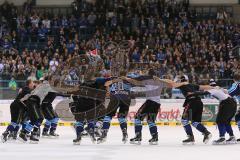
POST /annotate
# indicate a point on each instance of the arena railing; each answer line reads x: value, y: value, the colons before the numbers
x: 206, y: 11
x: 54, y: 10
x: 236, y: 50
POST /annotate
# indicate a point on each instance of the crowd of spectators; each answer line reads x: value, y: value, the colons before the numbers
x: 162, y: 34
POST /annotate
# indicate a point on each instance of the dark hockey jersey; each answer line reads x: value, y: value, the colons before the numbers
x: 24, y: 91
x: 189, y: 89
x: 88, y: 96
x: 120, y: 88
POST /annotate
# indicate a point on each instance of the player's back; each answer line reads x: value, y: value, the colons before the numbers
x: 121, y: 88
x: 188, y: 89
x: 24, y: 91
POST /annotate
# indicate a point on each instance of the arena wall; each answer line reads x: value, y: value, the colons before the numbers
x: 50, y: 3
x: 215, y: 2
x: 16, y: 2
x: 68, y: 2
x: 170, y: 113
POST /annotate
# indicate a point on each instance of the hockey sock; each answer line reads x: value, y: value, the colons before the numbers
x: 199, y: 126
x: 79, y: 127
x: 187, y: 127
x: 27, y: 127
x: 152, y: 127
x: 24, y: 124
x: 123, y: 123
x: 229, y: 129
x: 238, y: 123
x: 54, y: 123
x: 12, y: 126
x: 17, y: 128
x: 36, y: 125
x: 35, y: 128
x: 138, y: 126
x: 99, y: 124
x: 222, y: 129
x: 91, y: 125
x: 106, y: 122
x: 47, y: 125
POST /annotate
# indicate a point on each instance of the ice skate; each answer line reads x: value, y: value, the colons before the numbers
x: 45, y: 134
x: 10, y: 136
x: 36, y: 132
x: 77, y: 141
x: 91, y: 135
x: 53, y: 135
x: 103, y: 138
x: 189, y: 141
x: 238, y: 140
x: 4, y: 136
x: 14, y: 135
x: 219, y: 141
x: 154, y: 139
x: 34, y: 138
x: 23, y: 137
x: 207, y: 136
x: 125, y: 136
x: 231, y: 140
x: 98, y: 132
x: 137, y: 139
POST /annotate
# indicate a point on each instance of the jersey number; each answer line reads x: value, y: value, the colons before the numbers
x: 117, y: 86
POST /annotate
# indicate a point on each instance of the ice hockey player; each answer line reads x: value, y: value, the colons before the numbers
x: 86, y: 108
x: 17, y: 110
x: 50, y: 115
x: 119, y: 90
x: 234, y: 91
x: 193, y: 108
x: 226, y: 111
x: 32, y: 102
x: 100, y: 86
x: 151, y: 106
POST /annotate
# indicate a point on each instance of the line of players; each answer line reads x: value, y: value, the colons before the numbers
x: 92, y: 112
x: 32, y: 105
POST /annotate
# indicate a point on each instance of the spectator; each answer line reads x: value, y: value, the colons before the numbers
x: 136, y: 55
x: 53, y: 65
x: 41, y: 72
x: 35, y: 20
x: 12, y: 84
x: 91, y: 18
x: 163, y: 35
x: 222, y: 15
x: 1, y: 67
x: 32, y: 77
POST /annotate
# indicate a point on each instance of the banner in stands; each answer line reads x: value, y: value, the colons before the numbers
x: 171, y: 110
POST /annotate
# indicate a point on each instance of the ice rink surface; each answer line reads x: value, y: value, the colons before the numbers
x: 169, y: 147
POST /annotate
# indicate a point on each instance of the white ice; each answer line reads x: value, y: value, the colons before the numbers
x: 169, y: 147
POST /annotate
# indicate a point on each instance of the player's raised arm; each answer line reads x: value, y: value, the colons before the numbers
x: 170, y: 83
x: 198, y: 93
x: 108, y: 83
x: 132, y: 81
x: 205, y: 87
x: 176, y: 85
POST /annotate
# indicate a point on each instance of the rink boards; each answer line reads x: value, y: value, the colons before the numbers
x: 169, y: 114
